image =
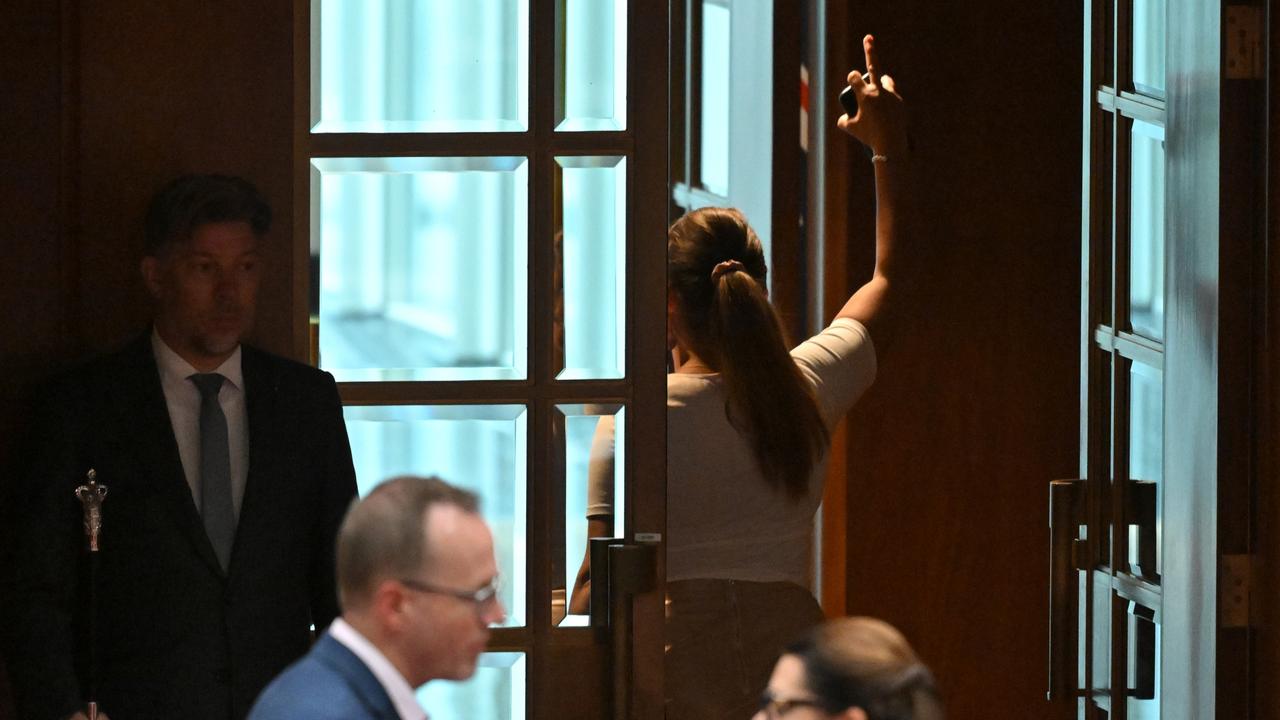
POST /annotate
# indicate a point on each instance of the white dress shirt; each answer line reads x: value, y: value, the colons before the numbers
x: 183, y: 399
x: 388, y: 677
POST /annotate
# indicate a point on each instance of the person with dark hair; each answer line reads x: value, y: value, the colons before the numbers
x: 419, y: 588
x: 748, y: 424
x: 227, y: 472
x: 855, y: 668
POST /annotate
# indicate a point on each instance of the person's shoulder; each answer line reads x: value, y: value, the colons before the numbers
x: 83, y: 376
x: 284, y: 374
x: 684, y: 389
x: 308, y: 688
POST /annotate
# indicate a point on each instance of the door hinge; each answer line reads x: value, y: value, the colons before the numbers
x: 1245, y: 54
x: 1235, y: 579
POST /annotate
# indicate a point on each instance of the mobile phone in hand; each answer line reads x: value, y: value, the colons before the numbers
x: 849, y: 101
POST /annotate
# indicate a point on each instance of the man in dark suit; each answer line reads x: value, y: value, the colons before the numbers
x: 418, y: 582
x: 227, y: 469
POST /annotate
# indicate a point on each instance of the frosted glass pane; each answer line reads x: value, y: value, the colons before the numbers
x: 589, y: 465
x: 1146, y: 230
x: 423, y: 266
x: 591, y: 273
x: 1146, y: 446
x: 1149, y: 46
x: 479, y: 447
x: 715, y: 98
x: 591, y: 65
x: 496, y: 691
x: 417, y: 66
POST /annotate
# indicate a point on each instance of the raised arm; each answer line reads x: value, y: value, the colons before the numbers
x: 880, y: 124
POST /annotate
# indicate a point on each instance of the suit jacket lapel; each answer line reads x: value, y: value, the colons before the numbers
x: 142, y: 404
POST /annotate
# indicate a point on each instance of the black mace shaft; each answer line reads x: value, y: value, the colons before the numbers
x: 91, y: 495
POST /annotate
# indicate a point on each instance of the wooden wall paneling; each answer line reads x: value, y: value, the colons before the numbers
x: 170, y: 88
x: 975, y: 407
x: 35, y: 246
x: 1242, y: 296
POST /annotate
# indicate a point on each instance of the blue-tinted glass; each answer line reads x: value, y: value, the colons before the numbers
x: 1146, y: 230
x: 496, y: 691
x: 591, y: 59
x: 1100, y: 670
x: 478, y: 447
x: 592, y: 267
x: 423, y: 267
x: 1146, y: 447
x: 715, y: 97
x: 594, y: 441
x: 1149, y: 46
x: 418, y: 66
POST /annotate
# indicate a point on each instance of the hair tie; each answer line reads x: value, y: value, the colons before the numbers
x: 726, y: 267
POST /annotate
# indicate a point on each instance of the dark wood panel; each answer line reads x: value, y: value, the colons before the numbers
x: 1266, y: 680
x: 168, y: 88
x: 1241, y: 343
x: 35, y: 333
x: 836, y: 288
x: 649, y: 114
x: 976, y: 406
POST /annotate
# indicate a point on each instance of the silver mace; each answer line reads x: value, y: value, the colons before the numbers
x: 91, y: 495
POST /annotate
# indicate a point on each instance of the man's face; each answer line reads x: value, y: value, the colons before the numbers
x: 450, y: 632
x: 206, y: 290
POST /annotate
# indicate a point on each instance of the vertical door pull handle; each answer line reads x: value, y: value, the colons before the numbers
x: 1066, y: 515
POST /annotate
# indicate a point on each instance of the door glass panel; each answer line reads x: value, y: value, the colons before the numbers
x: 408, y: 66
x: 1146, y: 459
x: 591, y: 65
x: 591, y: 265
x: 495, y: 691
x: 1146, y: 230
x: 1149, y: 46
x: 479, y: 447
x: 590, y: 469
x: 714, y: 134
x: 1100, y: 629
x: 422, y: 267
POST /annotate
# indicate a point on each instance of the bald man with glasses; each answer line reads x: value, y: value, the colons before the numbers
x: 418, y: 584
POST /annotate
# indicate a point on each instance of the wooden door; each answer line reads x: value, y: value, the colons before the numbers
x: 485, y: 185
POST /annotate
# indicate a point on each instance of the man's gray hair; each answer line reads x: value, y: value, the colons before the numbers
x: 384, y: 534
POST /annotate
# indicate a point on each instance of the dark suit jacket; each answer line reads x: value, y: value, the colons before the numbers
x: 175, y: 636
x: 330, y: 683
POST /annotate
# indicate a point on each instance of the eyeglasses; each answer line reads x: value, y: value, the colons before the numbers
x: 482, y: 598
x: 774, y: 707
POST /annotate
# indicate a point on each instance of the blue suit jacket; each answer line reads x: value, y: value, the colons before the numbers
x: 330, y: 683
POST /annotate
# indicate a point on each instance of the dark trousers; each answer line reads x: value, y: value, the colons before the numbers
x: 723, y: 638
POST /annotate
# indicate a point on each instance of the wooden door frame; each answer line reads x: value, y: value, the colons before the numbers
x: 1265, y: 680
x: 557, y: 657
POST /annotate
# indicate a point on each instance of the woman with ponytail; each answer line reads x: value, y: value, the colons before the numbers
x: 748, y: 425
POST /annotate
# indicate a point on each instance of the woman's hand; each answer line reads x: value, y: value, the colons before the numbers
x: 881, y: 120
